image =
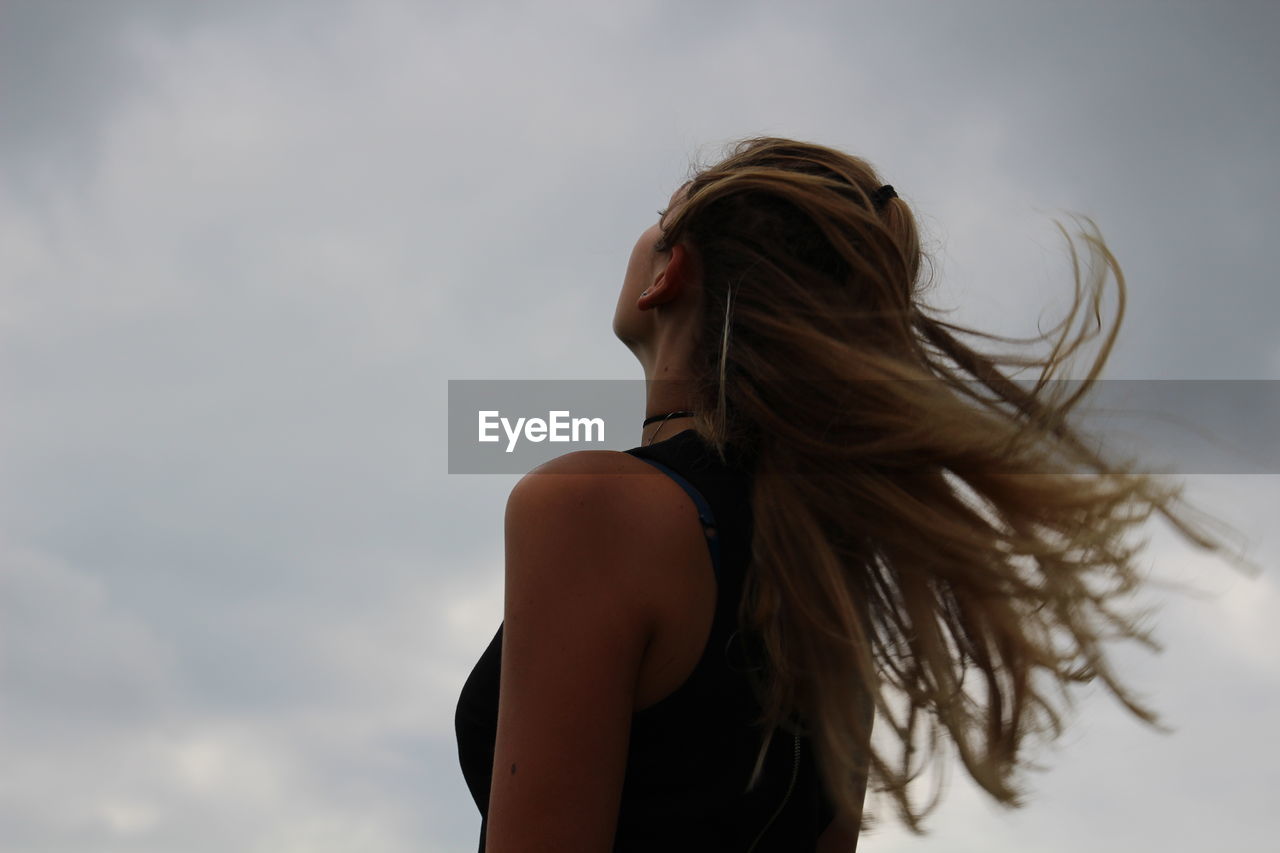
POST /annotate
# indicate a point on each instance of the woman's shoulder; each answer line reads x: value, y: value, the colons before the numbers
x: 604, y: 462
x: 611, y: 480
x: 616, y: 499
x: 607, y: 503
x: 584, y: 523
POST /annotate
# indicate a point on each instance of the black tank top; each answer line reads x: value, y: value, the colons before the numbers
x: 692, y: 752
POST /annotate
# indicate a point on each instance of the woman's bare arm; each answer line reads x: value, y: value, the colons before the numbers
x: 576, y: 626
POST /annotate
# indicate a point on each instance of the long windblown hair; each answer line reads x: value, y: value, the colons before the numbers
x: 921, y: 516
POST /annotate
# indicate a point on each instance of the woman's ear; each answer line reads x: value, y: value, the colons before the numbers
x: 672, y: 279
x: 682, y: 268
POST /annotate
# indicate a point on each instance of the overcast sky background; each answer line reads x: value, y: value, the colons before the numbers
x: 244, y: 245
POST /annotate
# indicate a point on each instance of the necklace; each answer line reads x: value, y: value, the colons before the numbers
x: 664, y: 418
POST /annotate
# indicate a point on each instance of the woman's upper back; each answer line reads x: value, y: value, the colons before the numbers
x: 692, y: 751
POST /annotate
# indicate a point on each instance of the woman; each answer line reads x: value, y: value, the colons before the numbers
x: 845, y: 529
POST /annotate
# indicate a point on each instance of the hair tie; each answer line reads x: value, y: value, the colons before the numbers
x: 882, y: 195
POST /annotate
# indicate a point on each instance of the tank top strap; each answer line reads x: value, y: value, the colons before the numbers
x: 704, y: 509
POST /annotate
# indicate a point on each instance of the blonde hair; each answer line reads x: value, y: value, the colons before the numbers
x: 919, y: 515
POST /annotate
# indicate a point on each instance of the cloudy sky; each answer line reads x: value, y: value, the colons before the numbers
x: 244, y: 245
